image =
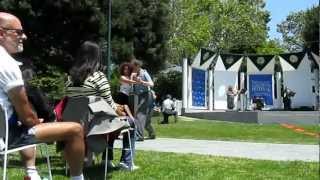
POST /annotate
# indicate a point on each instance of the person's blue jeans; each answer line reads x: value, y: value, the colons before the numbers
x: 125, y: 155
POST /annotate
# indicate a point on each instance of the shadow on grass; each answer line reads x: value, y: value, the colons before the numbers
x: 97, y: 172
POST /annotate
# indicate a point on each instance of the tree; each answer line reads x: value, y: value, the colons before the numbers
x: 169, y: 83
x: 55, y: 30
x: 310, y: 31
x: 140, y: 27
x: 300, y: 30
x: 291, y: 31
x: 270, y: 47
x: 230, y: 26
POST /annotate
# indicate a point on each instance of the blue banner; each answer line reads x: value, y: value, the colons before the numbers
x: 260, y: 86
x: 198, y: 87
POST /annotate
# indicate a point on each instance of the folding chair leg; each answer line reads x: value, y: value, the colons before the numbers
x: 106, y: 164
x: 4, y: 175
x: 44, y: 147
x: 66, y: 169
x: 130, y: 147
x: 48, y: 161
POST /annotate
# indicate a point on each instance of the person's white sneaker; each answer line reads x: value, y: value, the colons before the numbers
x: 134, y: 167
x: 33, y: 177
x: 124, y: 166
x: 110, y: 165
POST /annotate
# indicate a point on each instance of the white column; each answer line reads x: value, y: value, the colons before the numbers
x: 210, y: 86
x: 185, y: 83
x: 278, y: 103
x: 243, y: 99
x: 189, y: 87
x: 316, y: 86
x: 242, y: 78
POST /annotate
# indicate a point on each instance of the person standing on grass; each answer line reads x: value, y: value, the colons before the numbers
x: 126, y: 83
x: 148, y: 126
x: 14, y: 100
x: 142, y: 90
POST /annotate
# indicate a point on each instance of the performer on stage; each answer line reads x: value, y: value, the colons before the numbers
x: 231, y: 93
x: 287, y: 95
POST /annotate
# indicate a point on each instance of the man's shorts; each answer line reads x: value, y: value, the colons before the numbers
x: 20, y: 135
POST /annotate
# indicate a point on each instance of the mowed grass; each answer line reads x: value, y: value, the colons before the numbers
x: 171, y: 166
x: 189, y: 128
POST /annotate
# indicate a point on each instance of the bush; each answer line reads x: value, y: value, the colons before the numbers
x: 114, y: 82
x: 51, y: 82
x: 169, y: 83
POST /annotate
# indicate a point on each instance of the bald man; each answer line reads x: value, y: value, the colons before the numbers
x: 14, y: 100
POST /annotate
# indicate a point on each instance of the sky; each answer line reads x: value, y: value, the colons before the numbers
x: 280, y: 9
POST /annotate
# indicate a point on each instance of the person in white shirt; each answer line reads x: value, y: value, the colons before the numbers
x: 168, y: 109
x: 14, y: 101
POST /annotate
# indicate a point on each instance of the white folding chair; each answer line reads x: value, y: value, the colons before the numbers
x: 5, y: 151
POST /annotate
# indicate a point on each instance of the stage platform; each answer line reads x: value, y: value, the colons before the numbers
x: 262, y: 117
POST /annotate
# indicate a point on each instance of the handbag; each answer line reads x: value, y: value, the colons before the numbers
x: 58, y: 109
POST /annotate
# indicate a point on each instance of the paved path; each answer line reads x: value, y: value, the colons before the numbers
x: 265, y: 151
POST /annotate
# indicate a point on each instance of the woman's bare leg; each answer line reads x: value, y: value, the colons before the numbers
x: 72, y: 134
x: 127, y: 109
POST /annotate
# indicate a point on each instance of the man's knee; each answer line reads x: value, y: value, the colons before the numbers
x: 76, y: 129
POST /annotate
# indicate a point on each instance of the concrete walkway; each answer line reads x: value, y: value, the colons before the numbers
x: 262, y: 151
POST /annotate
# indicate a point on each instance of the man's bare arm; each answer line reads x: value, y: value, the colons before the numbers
x: 19, y: 100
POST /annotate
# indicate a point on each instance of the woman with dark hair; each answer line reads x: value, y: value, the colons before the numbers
x: 126, y: 82
x: 87, y: 72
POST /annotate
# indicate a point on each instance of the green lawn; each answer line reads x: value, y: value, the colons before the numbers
x: 170, y: 166
x: 229, y: 131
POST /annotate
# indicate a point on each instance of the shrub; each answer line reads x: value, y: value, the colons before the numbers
x: 169, y: 83
x: 51, y: 82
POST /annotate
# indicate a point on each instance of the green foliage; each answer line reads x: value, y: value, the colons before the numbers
x: 301, y: 30
x: 55, y: 29
x: 231, y: 26
x: 169, y: 83
x: 310, y: 31
x: 52, y: 82
x: 270, y: 47
x: 291, y: 31
x: 114, y: 82
x: 140, y: 27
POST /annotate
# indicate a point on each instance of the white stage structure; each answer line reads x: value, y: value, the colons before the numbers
x: 206, y: 78
x: 297, y: 76
x: 317, y: 80
x: 225, y: 74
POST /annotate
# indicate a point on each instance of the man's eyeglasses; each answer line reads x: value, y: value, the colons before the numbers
x: 20, y: 32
